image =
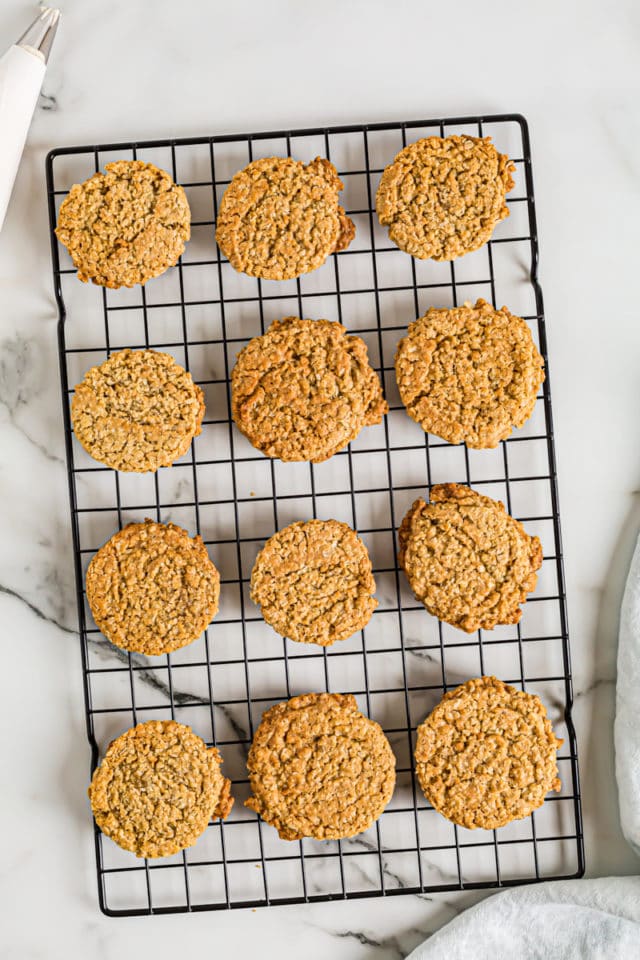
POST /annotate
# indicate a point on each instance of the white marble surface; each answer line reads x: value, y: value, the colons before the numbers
x: 127, y: 69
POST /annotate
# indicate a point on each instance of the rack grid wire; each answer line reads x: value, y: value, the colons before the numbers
x: 398, y: 667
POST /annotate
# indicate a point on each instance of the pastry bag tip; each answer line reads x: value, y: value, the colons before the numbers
x: 38, y: 38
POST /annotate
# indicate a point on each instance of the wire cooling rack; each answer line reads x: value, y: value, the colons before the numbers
x: 398, y: 667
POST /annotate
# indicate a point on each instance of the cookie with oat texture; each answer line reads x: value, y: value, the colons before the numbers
x: 319, y: 768
x: 313, y: 582
x: 487, y: 754
x: 304, y: 389
x: 442, y: 197
x: 471, y: 373
x: 126, y: 225
x: 280, y: 218
x: 157, y: 788
x: 137, y: 411
x: 466, y: 559
x: 152, y: 588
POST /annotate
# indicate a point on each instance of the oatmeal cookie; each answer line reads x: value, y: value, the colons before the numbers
x: 442, y: 197
x: 152, y: 589
x: 137, y: 411
x: 157, y: 788
x: 466, y: 559
x: 280, y: 218
x: 487, y: 754
x: 469, y: 374
x: 319, y: 768
x: 313, y: 582
x: 124, y: 226
x: 304, y: 390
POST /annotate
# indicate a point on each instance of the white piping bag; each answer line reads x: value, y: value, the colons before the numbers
x: 22, y: 71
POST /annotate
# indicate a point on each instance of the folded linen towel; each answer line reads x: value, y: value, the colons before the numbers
x: 627, y: 723
x: 567, y: 920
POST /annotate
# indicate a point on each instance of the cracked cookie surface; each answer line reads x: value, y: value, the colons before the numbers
x: 157, y: 788
x: 442, y: 197
x: 137, y: 411
x: 313, y: 582
x: 280, y: 218
x: 319, y: 768
x: 486, y: 755
x: 470, y: 373
x: 152, y: 588
x: 466, y: 559
x: 126, y: 225
x: 304, y: 389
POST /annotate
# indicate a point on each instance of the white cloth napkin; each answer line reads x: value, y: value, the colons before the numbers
x: 570, y: 919
x: 567, y: 920
x: 627, y: 724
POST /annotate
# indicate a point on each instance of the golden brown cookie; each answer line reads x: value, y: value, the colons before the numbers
x: 313, y: 582
x: 152, y: 588
x: 486, y: 755
x: 442, y: 197
x: 124, y: 226
x: 280, y: 218
x: 466, y: 559
x: 137, y: 411
x: 319, y: 768
x: 157, y: 788
x: 469, y: 374
x: 304, y: 390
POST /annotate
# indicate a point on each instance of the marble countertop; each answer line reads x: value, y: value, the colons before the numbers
x: 127, y: 70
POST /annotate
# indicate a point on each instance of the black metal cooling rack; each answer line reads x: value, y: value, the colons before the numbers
x: 399, y: 666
